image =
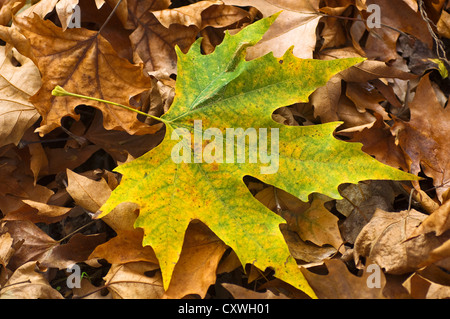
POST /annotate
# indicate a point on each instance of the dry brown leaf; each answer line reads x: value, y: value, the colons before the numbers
x: 443, y: 25
x: 359, y: 204
x: 366, y: 97
x: 14, y: 168
x: 438, y: 221
x: 27, y: 283
x: 86, y: 192
x: 41, y: 8
x: 327, y: 99
x: 157, y: 32
x: 119, y: 144
x: 239, y: 292
x: 125, y: 247
x: 8, y: 9
x: 77, y: 249
x: 200, y: 14
x: 440, y: 253
x: 381, y: 42
x: 195, y: 271
x: 424, y: 138
x: 137, y: 280
x: 423, y: 288
x: 317, y: 224
x: 88, y: 291
x: 295, y: 26
x: 94, y: 19
x: 65, y: 10
x: 306, y: 252
x: 38, y: 246
x: 378, y: 141
x: 383, y: 240
x: 339, y: 283
x: 17, y: 83
x: 83, y: 62
x: 6, y: 249
x: 311, y: 221
x: 54, y: 213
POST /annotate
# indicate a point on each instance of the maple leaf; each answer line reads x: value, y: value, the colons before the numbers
x: 159, y: 29
x: 225, y: 91
x: 82, y: 61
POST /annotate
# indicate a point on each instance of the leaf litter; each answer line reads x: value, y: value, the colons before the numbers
x: 57, y: 154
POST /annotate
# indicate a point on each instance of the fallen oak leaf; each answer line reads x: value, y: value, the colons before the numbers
x: 158, y: 31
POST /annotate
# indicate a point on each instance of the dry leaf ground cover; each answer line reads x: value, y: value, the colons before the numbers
x: 383, y: 239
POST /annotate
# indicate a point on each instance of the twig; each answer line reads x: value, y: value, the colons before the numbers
x: 109, y: 17
x: 440, y: 49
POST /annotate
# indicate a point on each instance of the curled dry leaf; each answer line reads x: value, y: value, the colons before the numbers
x: 86, y: 192
x: 6, y: 248
x: 438, y: 221
x: 328, y: 101
x: 20, y: 186
x: 17, y: 83
x: 27, y: 283
x: 384, y: 240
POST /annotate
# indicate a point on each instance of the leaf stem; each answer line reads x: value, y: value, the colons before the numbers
x: 59, y: 91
